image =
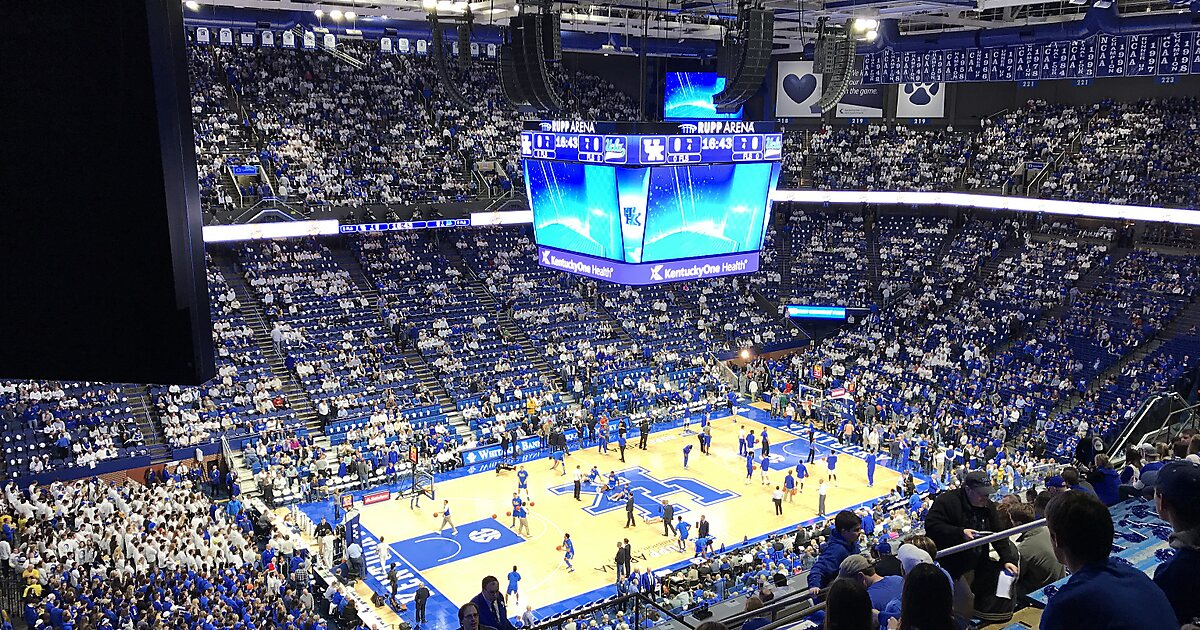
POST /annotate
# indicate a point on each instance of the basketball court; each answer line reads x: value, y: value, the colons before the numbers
x: 714, y: 486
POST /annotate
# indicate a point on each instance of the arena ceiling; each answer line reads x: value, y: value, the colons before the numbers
x: 795, y: 21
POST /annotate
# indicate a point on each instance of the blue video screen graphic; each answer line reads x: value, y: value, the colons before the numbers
x: 689, y: 96
x: 574, y: 207
x: 705, y: 210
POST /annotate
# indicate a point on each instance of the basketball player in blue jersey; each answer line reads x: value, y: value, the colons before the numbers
x: 594, y: 476
x: 749, y: 442
x: 682, y: 528
x: 831, y: 462
x: 801, y: 473
x: 749, y: 467
x: 568, y: 549
x: 523, y: 481
x: 687, y: 450
x: 870, y: 469
x: 766, y: 470
x: 516, y: 505
x: 514, y: 579
x: 603, y: 437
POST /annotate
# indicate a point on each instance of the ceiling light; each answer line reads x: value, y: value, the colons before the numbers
x: 429, y: 5
x: 335, y: 14
x: 872, y: 35
x: 1103, y: 4
x: 192, y: 4
x: 350, y: 15
x: 319, y: 13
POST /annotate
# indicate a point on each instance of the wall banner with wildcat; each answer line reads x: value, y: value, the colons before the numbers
x: 921, y: 100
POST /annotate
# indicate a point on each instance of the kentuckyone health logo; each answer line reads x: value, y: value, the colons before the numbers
x: 650, y: 273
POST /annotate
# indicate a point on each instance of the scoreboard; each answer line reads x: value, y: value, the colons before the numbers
x: 645, y: 203
x: 1095, y: 57
x: 652, y: 150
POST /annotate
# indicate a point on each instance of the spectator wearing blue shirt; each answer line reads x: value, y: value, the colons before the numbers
x: 880, y: 589
x: 843, y: 541
x: 1102, y: 592
x: 1177, y: 499
x: 1105, y: 481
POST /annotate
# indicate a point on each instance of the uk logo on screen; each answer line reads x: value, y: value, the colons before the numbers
x: 654, y: 150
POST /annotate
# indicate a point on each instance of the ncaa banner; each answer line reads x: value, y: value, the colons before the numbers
x: 797, y: 90
x: 491, y: 51
x: 404, y: 45
x: 225, y: 37
x: 202, y: 35
x: 474, y: 49
x: 246, y: 38
x: 862, y: 101
x: 329, y: 41
x: 289, y: 39
x: 310, y: 40
x: 422, y: 47
x: 268, y: 39
x: 385, y: 45
x: 921, y: 100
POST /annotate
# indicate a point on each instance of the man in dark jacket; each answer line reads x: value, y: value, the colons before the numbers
x: 490, y: 605
x: 1177, y: 498
x: 843, y: 541
x: 961, y: 515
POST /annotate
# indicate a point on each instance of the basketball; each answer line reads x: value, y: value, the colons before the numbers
x: 435, y: 515
x: 559, y: 547
x: 506, y: 514
x: 493, y: 516
x: 531, y: 504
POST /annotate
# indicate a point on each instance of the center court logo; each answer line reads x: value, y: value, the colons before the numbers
x: 484, y: 536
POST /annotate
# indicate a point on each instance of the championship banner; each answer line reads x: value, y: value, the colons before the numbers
x: 268, y: 39
x: 329, y: 41
x: 385, y: 45
x: 474, y: 49
x: 202, y: 35
x: 246, y: 38
x: 225, y: 37
x: 797, y: 90
x: 921, y: 100
x: 491, y: 51
x: 310, y: 40
x: 404, y: 45
x: 289, y: 39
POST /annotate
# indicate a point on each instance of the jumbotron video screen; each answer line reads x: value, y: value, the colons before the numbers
x: 693, y: 201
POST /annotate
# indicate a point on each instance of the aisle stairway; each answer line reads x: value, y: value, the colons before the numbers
x: 252, y: 312
x: 413, y: 359
x: 147, y: 421
x: 508, y: 327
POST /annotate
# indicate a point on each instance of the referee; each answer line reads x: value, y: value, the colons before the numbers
x: 578, y: 482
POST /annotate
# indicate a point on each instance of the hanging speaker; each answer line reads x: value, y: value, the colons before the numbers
x: 552, y: 36
x: 509, y: 83
x: 464, y: 42
x: 758, y: 34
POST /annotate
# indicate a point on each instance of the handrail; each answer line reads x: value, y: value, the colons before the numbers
x: 991, y: 538
x: 561, y: 619
x: 775, y: 605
